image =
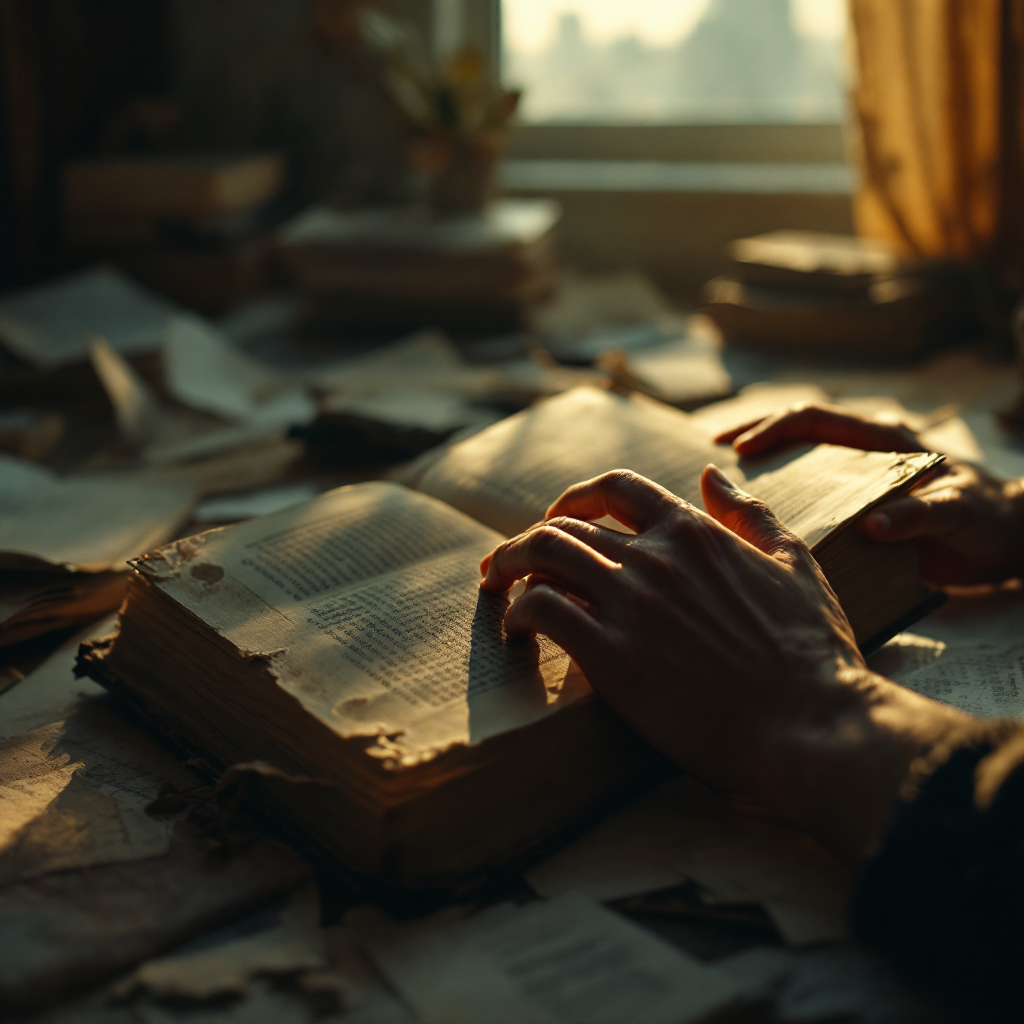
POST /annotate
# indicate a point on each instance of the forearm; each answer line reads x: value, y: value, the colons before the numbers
x: 943, y: 897
x: 837, y: 773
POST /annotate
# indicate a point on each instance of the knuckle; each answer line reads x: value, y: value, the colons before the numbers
x: 546, y: 539
x: 564, y: 523
x: 619, y: 478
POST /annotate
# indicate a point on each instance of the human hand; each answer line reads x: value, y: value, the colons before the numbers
x: 969, y: 525
x: 717, y: 638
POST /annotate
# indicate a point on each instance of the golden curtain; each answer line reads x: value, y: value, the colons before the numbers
x: 939, y: 102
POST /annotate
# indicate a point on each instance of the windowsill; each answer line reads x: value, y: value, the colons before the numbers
x: 659, y: 176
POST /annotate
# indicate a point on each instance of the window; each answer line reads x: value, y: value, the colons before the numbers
x: 676, y: 61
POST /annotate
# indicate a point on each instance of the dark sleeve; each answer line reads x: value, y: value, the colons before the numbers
x: 944, y: 895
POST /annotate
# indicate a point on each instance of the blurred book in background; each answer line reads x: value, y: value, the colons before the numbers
x: 195, y: 227
x: 817, y: 293
x: 394, y: 270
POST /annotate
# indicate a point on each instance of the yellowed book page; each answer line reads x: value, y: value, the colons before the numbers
x: 507, y: 476
x: 815, y: 492
x: 366, y: 605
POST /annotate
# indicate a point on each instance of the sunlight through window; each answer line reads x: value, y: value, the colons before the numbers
x: 682, y: 61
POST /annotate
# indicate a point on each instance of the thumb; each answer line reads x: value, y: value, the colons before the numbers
x: 746, y: 516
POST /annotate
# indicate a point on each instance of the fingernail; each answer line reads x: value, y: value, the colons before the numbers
x: 878, y: 522
x: 721, y: 477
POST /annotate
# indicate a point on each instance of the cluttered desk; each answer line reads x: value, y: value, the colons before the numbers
x: 126, y: 854
x: 320, y: 699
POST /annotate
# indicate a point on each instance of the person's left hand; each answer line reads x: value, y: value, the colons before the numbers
x: 717, y: 638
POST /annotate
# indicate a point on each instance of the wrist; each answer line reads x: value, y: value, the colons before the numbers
x: 839, y: 770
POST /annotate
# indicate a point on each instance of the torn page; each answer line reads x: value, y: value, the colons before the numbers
x: 136, y: 408
x: 90, y: 523
x: 205, y: 371
x: 370, y: 597
x: 679, y: 831
x: 566, y: 960
x: 284, y: 941
x: 73, y: 794
x: 48, y: 326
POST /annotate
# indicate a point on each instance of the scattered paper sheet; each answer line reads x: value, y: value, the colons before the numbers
x: 48, y: 326
x: 205, y: 371
x: 426, y: 410
x: 836, y: 982
x: 586, y: 306
x: 427, y: 361
x: 982, y: 680
x: 90, y: 523
x: 136, y: 408
x: 51, y: 692
x: 73, y: 794
x: 257, y: 503
x: 680, y: 831
x: 292, y: 941
x: 685, y: 371
x: 566, y: 960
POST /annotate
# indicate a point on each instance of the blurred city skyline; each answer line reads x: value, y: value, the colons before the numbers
x: 651, y: 61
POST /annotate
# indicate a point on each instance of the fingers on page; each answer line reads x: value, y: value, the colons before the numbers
x: 609, y: 543
x: 633, y: 500
x: 570, y: 562
x: 825, y: 424
x: 542, y: 609
x: 730, y: 435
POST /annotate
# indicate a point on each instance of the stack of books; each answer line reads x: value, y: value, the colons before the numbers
x: 401, y: 269
x: 805, y: 291
x: 193, y: 227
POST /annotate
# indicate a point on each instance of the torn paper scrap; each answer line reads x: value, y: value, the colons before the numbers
x: 291, y: 941
x: 48, y: 326
x: 353, y: 982
x: 136, y: 408
x: 566, y: 960
x: 73, y: 794
x: 205, y: 371
x: 679, y: 831
x: 90, y: 523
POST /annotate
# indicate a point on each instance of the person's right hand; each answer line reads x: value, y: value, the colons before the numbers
x: 968, y: 524
x: 716, y: 637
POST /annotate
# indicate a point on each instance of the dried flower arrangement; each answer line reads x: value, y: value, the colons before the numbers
x: 458, y: 114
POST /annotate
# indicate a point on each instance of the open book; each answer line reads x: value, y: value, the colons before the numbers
x: 345, y: 644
